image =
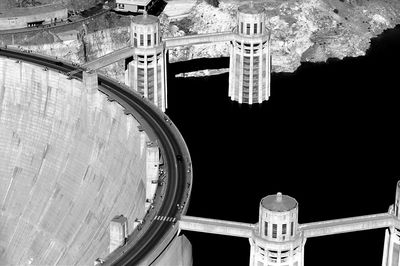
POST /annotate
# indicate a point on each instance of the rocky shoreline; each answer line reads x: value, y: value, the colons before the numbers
x: 301, y: 31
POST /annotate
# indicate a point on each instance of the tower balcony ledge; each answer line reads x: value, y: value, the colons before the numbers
x: 251, y: 38
x: 290, y: 243
x: 149, y: 50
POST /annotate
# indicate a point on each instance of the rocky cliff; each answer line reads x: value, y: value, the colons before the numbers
x: 306, y: 30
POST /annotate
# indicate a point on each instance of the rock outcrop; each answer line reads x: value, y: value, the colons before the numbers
x: 306, y: 30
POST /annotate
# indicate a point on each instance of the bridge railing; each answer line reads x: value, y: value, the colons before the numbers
x: 214, y: 226
x: 347, y: 225
x: 198, y: 39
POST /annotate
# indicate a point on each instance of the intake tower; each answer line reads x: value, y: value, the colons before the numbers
x: 276, y: 240
x: 146, y: 70
x: 249, y: 67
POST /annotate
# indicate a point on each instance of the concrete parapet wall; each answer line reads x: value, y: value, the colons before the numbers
x: 69, y: 162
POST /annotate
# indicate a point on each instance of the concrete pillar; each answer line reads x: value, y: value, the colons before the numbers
x: 118, y: 232
x: 152, y: 166
x: 145, y: 77
x: 397, y: 200
x: 252, y: 252
x: 302, y: 251
x: 90, y: 81
x: 133, y: 74
x: 251, y: 73
x: 260, y: 75
x: 385, y: 248
x: 391, y: 254
x: 164, y: 87
x: 268, y: 74
x: 241, y: 68
x: 231, y: 68
x: 156, y: 96
x: 143, y: 140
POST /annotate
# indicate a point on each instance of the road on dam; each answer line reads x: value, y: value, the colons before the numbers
x: 146, y: 242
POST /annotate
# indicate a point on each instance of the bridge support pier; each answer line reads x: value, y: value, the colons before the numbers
x: 391, y: 254
x: 118, y: 232
x: 152, y: 165
x: 90, y: 81
x: 391, y: 249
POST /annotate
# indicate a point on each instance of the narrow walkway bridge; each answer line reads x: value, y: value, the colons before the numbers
x: 213, y: 226
x: 315, y: 229
x: 129, y: 51
x: 110, y: 58
x: 198, y: 39
x: 347, y: 225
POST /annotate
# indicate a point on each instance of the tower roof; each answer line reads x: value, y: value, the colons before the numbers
x: 279, y: 203
x: 145, y: 19
x: 250, y: 8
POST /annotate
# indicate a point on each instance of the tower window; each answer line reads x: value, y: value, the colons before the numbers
x: 134, y: 39
x: 155, y: 38
x: 266, y: 228
x: 255, y: 28
x: 141, y: 40
x: 274, y: 230
x: 283, y: 229
x: 148, y: 39
x: 261, y: 28
x: 291, y: 229
x: 241, y: 27
x: 248, y: 28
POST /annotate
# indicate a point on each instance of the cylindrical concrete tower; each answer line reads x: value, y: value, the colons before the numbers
x: 146, y: 73
x: 249, y: 67
x: 276, y: 240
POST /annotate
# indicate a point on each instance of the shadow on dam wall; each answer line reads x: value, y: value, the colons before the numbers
x: 69, y: 162
x: 197, y: 64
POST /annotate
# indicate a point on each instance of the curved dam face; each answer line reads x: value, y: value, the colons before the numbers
x: 69, y: 162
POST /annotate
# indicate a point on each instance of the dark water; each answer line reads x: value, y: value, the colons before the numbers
x: 329, y: 136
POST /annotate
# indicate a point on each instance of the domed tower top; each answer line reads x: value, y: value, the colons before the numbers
x: 145, y: 19
x: 145, y: 31
x: 251, y: 20
x: 250, y: 8
x: 278, y: 218
x: 279, y: 203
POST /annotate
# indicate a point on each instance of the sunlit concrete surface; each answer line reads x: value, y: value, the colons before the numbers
x: 178, y: 253
x: 70, y: 161
x: 177, y: 9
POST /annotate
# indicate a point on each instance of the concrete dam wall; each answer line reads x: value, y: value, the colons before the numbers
x: 69, y: 162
